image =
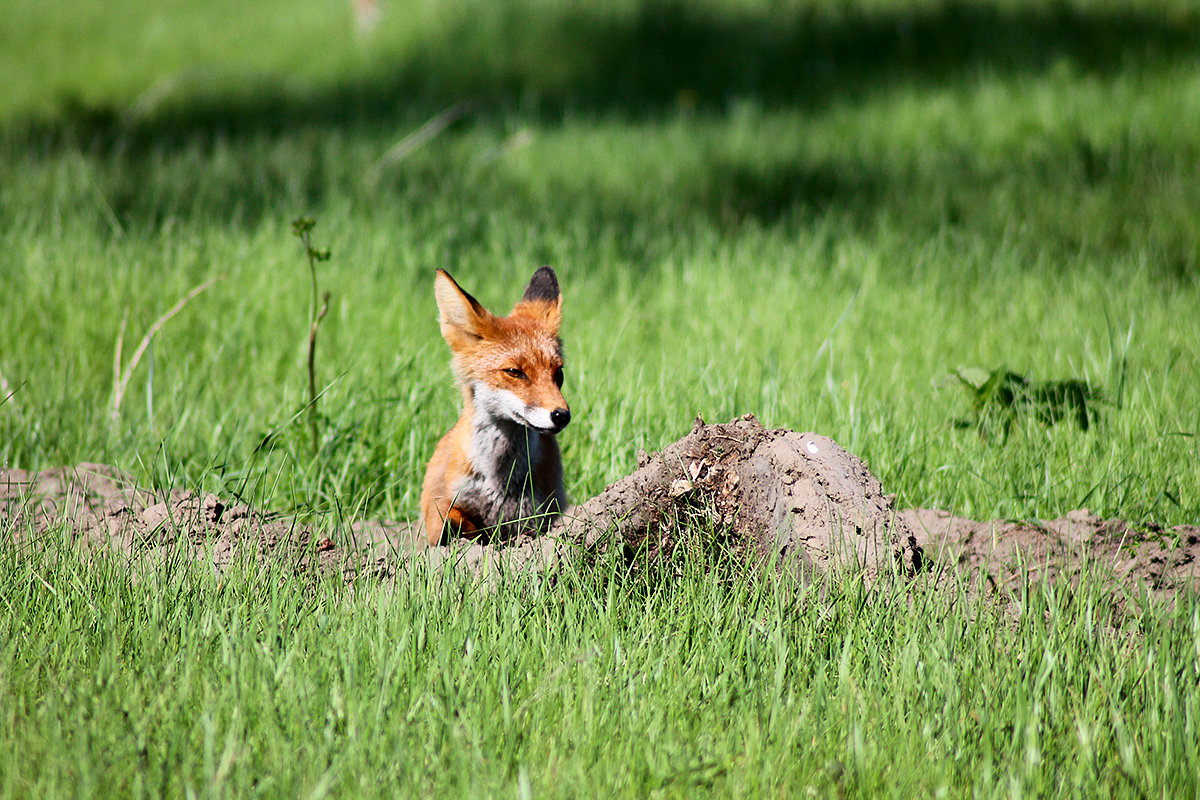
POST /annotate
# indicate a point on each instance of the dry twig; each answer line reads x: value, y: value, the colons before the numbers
x: 119, y: 386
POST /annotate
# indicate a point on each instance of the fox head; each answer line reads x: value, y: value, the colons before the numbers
x: 509, y: 367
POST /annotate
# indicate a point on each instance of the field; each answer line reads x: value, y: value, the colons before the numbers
x: 827, y: 214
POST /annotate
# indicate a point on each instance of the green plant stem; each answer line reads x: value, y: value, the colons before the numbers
x: 312, y: 372
x: 303, y: 229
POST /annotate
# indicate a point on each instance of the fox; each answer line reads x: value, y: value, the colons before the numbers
x: 498, y: 471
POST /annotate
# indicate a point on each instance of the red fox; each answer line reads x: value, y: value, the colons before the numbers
x: 498, y: 472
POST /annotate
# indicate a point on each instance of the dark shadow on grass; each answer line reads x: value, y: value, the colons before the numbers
x: 664, y: 59
x: 670, y: 54
x: 770, y: 195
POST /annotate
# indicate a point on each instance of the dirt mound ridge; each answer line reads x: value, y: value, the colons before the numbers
x: 99, y: 506
x: 797, y: 499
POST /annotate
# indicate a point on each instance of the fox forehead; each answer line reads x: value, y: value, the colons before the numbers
x: 515, y: 343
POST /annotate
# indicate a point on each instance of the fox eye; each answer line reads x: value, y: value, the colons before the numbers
x: 558, y: 377
x: 516, y: 373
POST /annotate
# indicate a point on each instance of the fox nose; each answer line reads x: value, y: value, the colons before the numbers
x: 559, y: 417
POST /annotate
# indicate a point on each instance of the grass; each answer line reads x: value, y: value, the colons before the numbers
x: 261, y: 683
x: 817, y: 212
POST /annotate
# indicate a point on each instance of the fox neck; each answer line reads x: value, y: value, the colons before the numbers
x: 499, y: 448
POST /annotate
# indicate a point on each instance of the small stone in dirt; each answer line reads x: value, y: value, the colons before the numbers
x: 680, y: 487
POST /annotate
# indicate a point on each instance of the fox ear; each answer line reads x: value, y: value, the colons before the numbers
x: 542, y: 299
x: 459, y: 313
x: 543, y: 286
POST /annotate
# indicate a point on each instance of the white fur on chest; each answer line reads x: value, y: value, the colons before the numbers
x: 504, y: 452
x: 498, y: 487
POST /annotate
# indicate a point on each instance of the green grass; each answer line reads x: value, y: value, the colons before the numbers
x: 266, y: 684
x: 814, y: 211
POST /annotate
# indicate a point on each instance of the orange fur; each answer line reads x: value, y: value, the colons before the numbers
x: 498, y: 470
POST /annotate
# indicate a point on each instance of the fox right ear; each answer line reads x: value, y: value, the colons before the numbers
x: 459, y: 313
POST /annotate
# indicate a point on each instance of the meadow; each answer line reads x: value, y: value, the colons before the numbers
x: 819, y: 212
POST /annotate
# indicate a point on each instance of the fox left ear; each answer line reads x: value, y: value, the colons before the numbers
x: 542, y: 299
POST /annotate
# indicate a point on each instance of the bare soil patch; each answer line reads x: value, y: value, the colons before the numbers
x: 1129, y: 558
x: 794, y: 500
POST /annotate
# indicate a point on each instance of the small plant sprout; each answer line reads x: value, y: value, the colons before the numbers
x: 302, y: 227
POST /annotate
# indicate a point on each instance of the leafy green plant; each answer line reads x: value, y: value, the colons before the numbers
x: 1005, y: 396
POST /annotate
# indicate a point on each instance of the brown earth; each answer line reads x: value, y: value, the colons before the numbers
x: 767, y: 496
x: 1130, y: 558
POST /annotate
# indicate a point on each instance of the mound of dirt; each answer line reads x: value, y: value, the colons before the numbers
x: 796, y: 500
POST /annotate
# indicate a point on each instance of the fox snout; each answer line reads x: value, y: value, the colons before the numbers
x: 558, y: 419
x: 538, y: 417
